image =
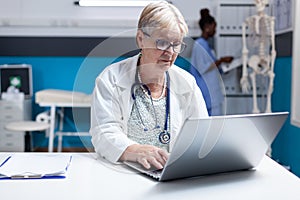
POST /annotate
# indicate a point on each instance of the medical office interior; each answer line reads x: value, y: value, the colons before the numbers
x: 52, y: 52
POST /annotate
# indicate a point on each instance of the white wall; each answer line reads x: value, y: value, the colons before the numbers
x: 63, y: 18
x: 295, y: 111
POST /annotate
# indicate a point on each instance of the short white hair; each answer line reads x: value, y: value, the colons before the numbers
x: 162, y: 15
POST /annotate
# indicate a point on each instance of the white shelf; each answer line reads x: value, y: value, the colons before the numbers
x: 13, y: 111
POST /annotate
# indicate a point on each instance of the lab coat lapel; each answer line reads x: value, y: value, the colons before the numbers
x: 179, y: 92
x: 128, y: 71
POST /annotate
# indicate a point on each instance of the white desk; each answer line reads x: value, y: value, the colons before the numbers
x: 53, y: 108
x: 88, y: 178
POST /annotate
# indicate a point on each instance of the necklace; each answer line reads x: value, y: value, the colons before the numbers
x: 164, y: 136
x: 146, y: 92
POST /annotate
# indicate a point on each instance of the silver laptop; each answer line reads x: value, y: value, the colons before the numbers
x: 219, y: 144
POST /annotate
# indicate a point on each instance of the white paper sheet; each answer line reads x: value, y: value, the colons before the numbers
x: 35, y: 165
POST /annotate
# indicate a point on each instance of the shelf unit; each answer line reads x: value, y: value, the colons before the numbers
x: 11, y: 111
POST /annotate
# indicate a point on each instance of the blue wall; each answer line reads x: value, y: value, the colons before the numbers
x: 79, y: 73
x: 67, y: 73
x: 286, y: 147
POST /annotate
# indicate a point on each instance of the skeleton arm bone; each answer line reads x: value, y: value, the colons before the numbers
x: 273, y: 51
x: 244, y: 80
x: 271, y: 73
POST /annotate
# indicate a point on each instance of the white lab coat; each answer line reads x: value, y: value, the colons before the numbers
x: 112, y: 103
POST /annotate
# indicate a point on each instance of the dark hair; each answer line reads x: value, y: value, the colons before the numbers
x: 206, y: 18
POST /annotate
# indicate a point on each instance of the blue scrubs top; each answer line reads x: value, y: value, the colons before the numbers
x: 208, y: 81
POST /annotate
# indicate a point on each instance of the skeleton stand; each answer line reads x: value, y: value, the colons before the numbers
x: 262, y: 63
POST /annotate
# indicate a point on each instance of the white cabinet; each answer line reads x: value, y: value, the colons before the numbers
x: 295, y: 109
x: 13, y: 111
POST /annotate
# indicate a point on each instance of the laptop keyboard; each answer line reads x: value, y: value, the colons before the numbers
x: 155, y: 173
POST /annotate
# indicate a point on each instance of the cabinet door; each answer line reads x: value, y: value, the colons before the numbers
x: 10, y: 140
x: 295, y: 111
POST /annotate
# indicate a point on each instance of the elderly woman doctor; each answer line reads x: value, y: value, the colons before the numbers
x: 140, y: 104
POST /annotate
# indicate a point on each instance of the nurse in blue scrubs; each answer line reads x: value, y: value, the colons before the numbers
x: 205, y: 65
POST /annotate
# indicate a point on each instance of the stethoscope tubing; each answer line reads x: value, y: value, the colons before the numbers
x: 137, y: 83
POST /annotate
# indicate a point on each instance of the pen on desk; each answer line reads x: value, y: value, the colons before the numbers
x: 69, y: 163
x: 5, y: 161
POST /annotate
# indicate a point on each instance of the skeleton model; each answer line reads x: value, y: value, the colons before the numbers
x: 262, y: 44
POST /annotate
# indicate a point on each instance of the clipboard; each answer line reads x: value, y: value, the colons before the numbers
x: 34, y: 166
x: 237, y: 62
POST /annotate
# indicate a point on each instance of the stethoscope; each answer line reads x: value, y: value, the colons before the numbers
x: 164, y: 136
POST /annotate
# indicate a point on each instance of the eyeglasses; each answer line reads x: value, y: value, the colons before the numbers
x: 163, y: 45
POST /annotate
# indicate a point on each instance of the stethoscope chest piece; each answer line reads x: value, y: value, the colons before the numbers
x: 164, y: 137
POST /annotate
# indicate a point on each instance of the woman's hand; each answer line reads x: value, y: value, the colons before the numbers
x: 146, y: 155
x: 227, y: 59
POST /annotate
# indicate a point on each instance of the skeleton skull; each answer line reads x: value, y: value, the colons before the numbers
x: 261, y: 4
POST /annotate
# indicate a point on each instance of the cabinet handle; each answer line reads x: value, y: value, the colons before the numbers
x: 9, y: 135
x: 8, y: 117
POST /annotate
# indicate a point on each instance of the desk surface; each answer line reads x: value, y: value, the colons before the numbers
x: 91, y: 178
